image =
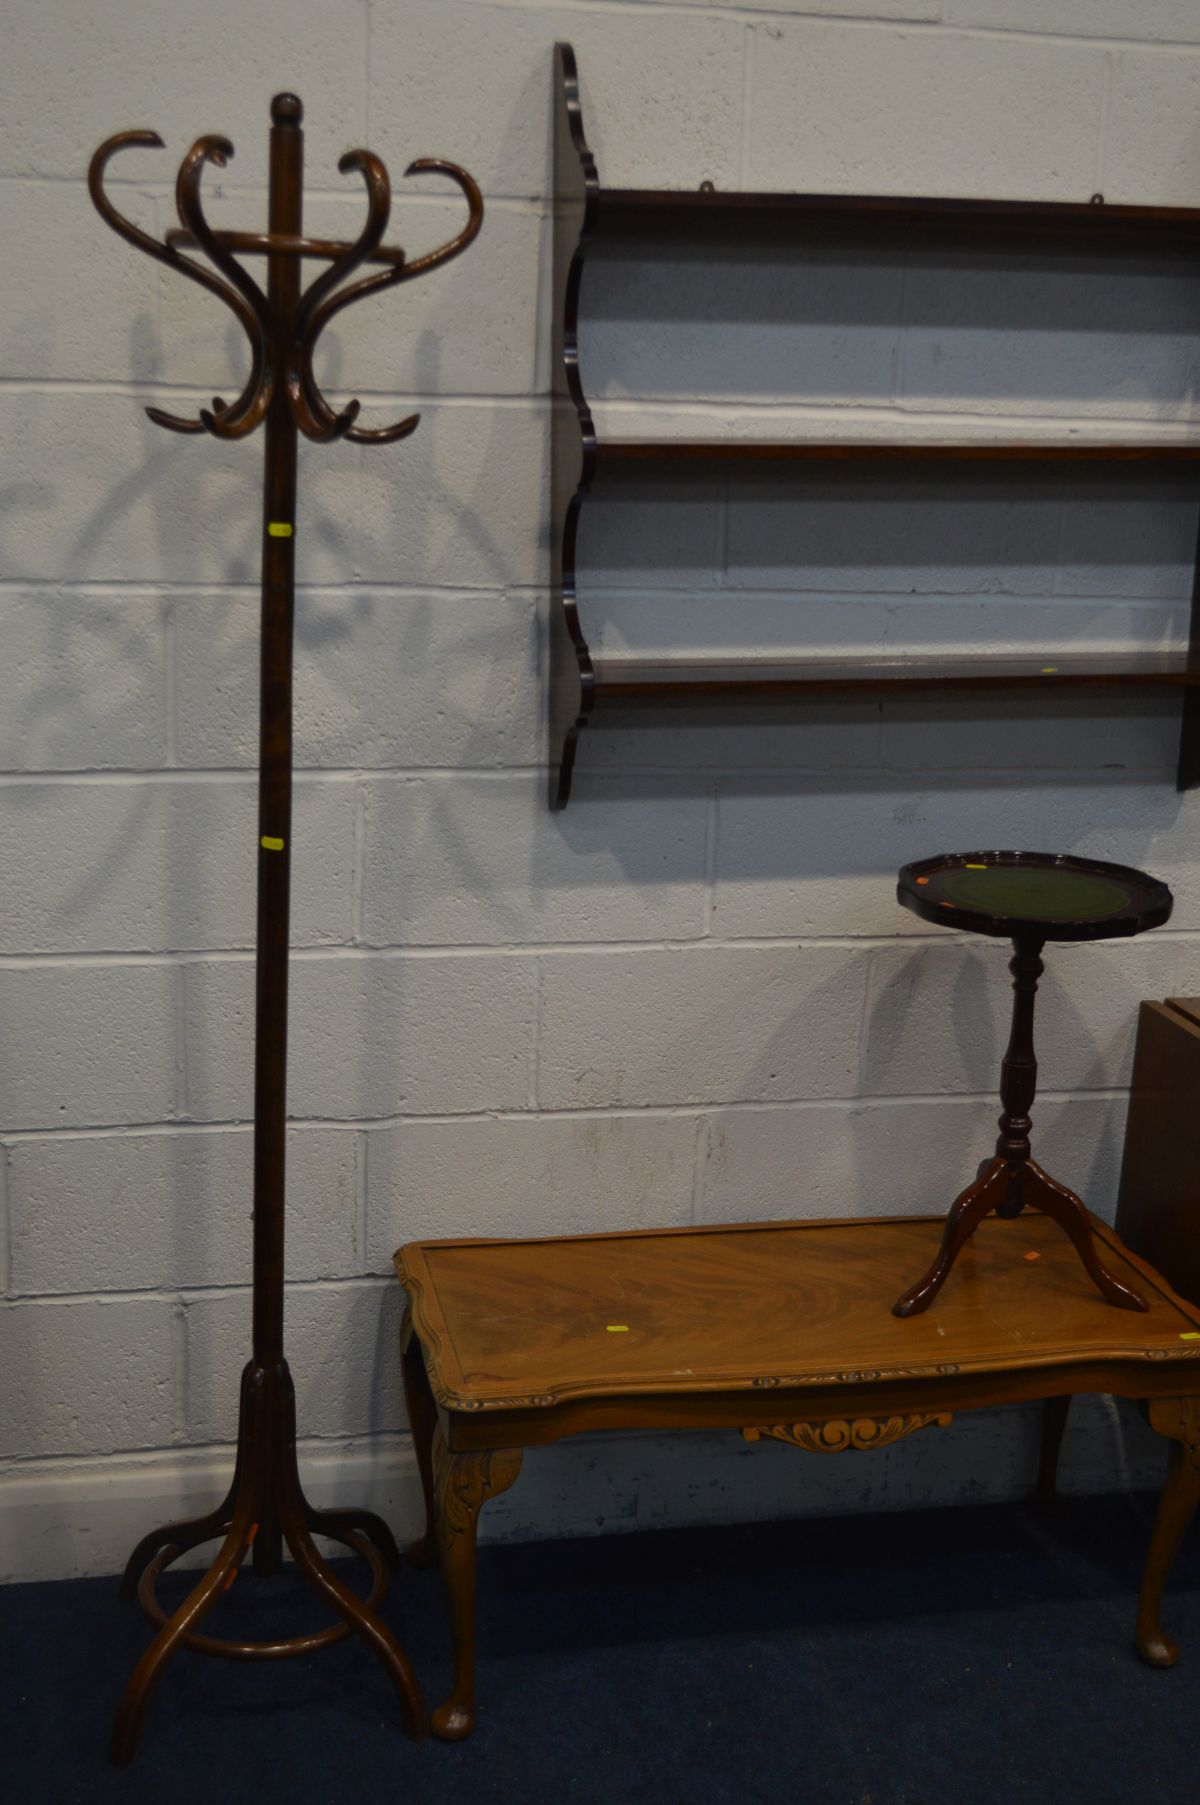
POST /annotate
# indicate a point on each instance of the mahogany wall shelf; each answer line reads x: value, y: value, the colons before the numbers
x: 587, y: 688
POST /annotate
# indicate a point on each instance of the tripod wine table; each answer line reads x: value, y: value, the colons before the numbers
x: 1028, y: 898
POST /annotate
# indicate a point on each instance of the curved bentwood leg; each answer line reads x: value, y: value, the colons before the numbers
x: 1179, y: 1420
x: 363, y: 1621
x: 266, y: 1489
x: 966, y: 1213
x: 293, y: 1509
x: 422, y: 1420
x: 132, y: 1708
x: 180, y: 1537
x: 251, y: 1444
x: 463, y: 1483
x: 338, y: 1524
x: 1068, y: 1210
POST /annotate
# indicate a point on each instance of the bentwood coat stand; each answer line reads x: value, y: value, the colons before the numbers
x: 266, y: 1506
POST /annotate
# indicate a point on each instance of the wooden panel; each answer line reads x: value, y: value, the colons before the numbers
x: 528, y: 1323
x: 1158, y: 1211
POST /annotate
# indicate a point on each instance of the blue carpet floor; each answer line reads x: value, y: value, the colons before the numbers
x: 951, y: 1657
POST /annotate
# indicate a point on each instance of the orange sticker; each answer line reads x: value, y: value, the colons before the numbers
x: 1033, y: 1256
x: 922, y: 880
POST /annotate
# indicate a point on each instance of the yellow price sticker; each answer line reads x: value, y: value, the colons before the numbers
x: 279, y: 529
x: 617, y: 1328
x: 1192, y: 1335
x: 271, y: 844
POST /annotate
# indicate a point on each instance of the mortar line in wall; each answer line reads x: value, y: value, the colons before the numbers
x: 1105, y: 114
x: 368, y: 10
x: 847, y: 778
x: 137, y: 389
x: 170, y: 688
x: 218, y: 589
x: 358, y: 875
x: 1068, y: 40
x: 156, y: 189
x: 160, y: 205
x: 312, y: 954
x: 181, y: 1349
x: 532, y: 403
x: 139, y: 1459
x: 185, y: 1296
x: 749, y: 47
x: 843, y: 777
x: 197, y: 1453
x: 233, y: 775
x: 535, y: 1051
x: 701, y: 1144
x: 796, y: 780
x: 864, y: 1011
x: 597, y: 1112
x: 870, y: 21
x: 6, y: 1247
x: 730, y: 10
x: 361, y: 1192
x: 712, y: 820
x: 182, y: 1071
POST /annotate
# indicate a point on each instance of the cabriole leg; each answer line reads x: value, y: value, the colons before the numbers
x: 462, y: 1484
x: 1179, y: 1419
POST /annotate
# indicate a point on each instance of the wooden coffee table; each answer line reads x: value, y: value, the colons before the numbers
x: 774, y: 1329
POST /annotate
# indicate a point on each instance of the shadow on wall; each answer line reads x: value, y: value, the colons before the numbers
x: 997, y: 332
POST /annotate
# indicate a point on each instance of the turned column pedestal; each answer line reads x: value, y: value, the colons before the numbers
x: 1030, y: 898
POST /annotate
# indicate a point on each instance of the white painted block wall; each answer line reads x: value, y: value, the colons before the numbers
x: 691, y: 997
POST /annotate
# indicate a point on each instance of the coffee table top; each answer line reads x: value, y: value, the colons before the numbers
x: 510, y: 1325
x: 1042, y: 895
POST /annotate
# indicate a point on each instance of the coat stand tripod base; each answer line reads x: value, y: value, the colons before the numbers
x: 1029, y: 898
x: 266, y: 1509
